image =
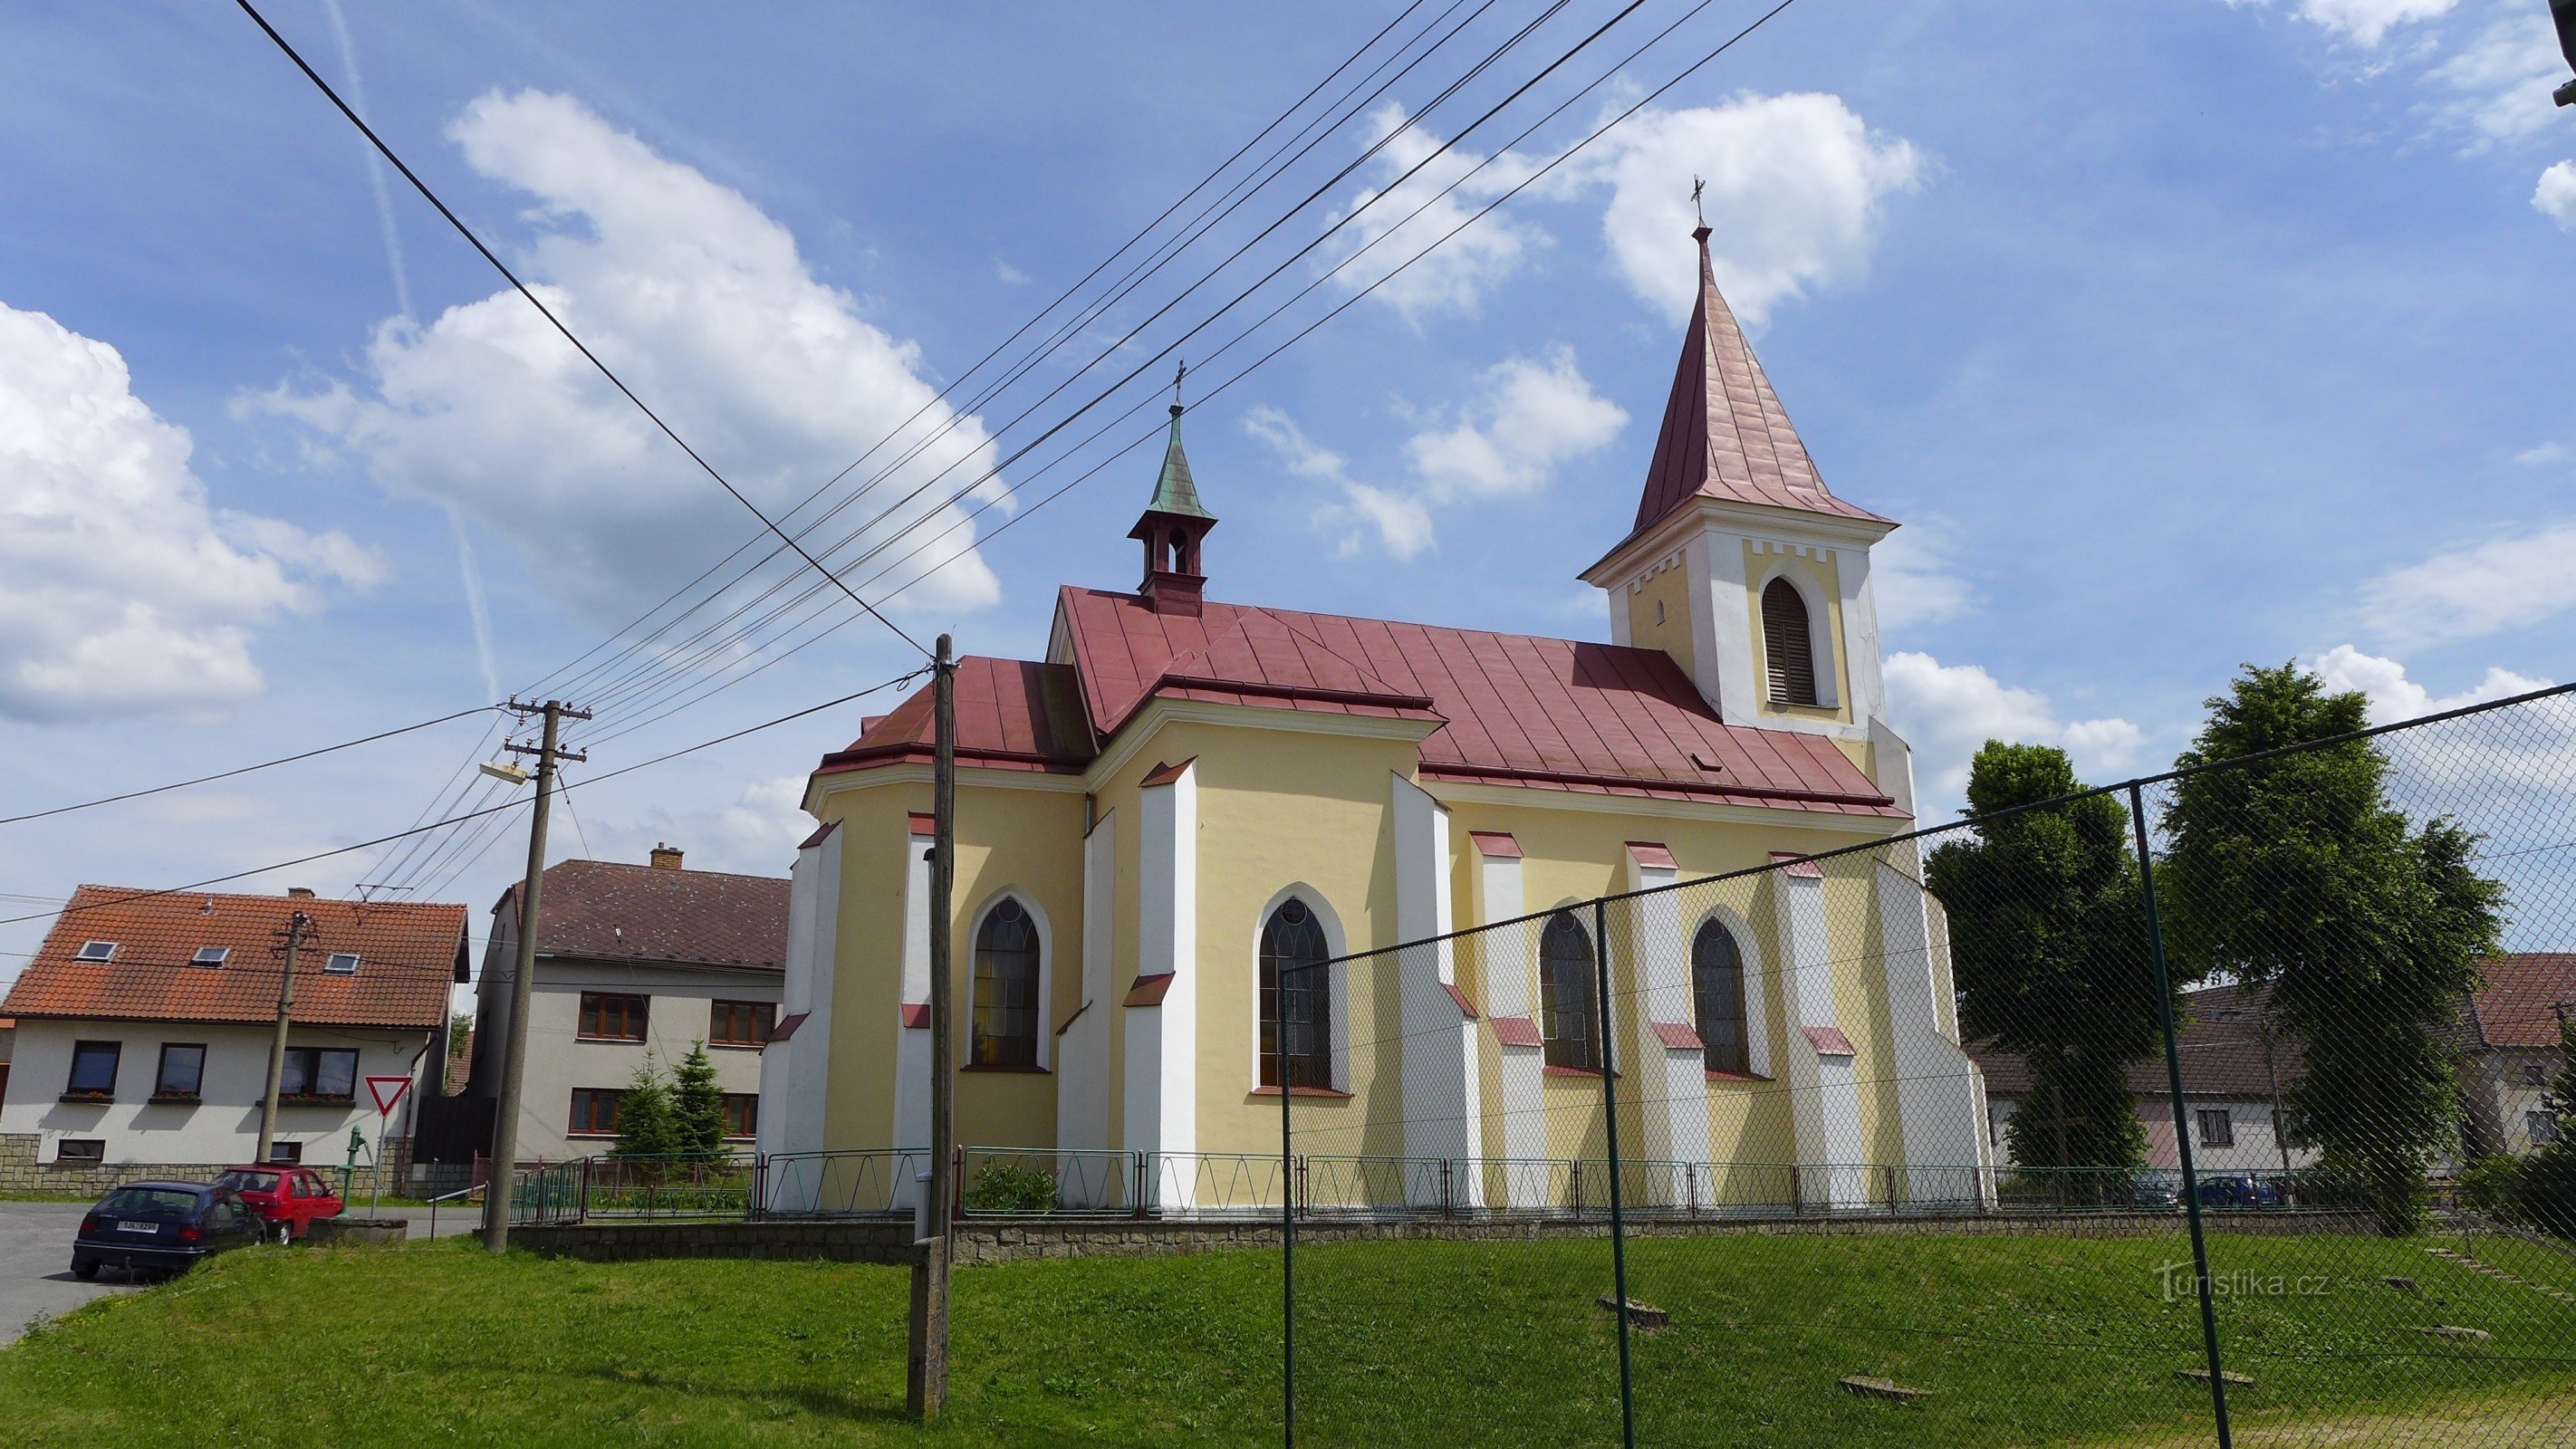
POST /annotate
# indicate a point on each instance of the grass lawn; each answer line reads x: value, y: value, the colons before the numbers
x: 2021, y: 1341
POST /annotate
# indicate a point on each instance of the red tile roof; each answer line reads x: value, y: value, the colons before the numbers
x: 1725, y: 434
x: 2516, y: 1005
x: 1012, y: 714
x: 407, y: 958
x: 2222, y: 1047
x: 1512, y: 709
x: 1509, y: 709
x: 608, y: 910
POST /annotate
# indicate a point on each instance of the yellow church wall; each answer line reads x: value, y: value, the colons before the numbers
x: 1759, y: 565
x: 1029, y: 843
x: 1572, y: 855
x: 1013, y: 839
x: 867, y: 986
x: 1659, y: 613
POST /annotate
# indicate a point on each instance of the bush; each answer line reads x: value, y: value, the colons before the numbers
x: 2493, y: 1185
x: 999, y: 1187
x: 2548, y: 1191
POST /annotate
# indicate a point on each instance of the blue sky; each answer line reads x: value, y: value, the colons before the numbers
x: 2179, y: 333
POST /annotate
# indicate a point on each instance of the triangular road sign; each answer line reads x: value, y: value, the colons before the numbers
x: 387, y: 1091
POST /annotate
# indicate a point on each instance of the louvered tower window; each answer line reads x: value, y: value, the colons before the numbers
x: 1787, y: 646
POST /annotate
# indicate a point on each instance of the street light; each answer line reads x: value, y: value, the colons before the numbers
x: 505, y: 772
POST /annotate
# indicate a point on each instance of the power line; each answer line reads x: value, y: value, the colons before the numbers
x: 548, y: 313
x: 242, y: 769
x: 476, y: 814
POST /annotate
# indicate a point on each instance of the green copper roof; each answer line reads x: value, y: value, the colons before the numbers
x: 1173, y: 490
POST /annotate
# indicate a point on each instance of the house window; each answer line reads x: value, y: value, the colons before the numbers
x: 1788, y: 644
x: 1296, y: 999
x: 211, y: 956
x: 740, y: 1023
x: 93, y: 1069
x: 742, y: 1115
x: 2217, y: 1129
x: 594, y: 1111
x: 319, y: 1074
x: 2543, y: 1127
x: 80, y: 1149
x: 1717, y: 999
x: 183, y: 1071
x: 613, y: 1018
x: 1006, y: 988
x: 342, y: 963
x: 96, y: 951
x: 1567, y: 986
x: 285, y: 1151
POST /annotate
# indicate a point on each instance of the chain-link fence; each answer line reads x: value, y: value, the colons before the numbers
x: 2219, y: 1107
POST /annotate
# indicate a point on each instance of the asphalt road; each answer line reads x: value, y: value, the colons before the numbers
x: 36, y: 1265
x: 36, y: 1258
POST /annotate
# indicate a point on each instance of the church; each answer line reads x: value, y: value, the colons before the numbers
x: 1188, y: 797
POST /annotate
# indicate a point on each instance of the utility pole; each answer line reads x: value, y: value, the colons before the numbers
x: 298, y: 926
x: 514, y: 1060
x: 926, y: 1361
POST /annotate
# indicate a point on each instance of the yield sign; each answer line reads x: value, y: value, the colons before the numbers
x: 387, y: 1091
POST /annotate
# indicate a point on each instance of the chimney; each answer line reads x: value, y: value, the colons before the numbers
x: 299, y: 893
x: 665, y: 858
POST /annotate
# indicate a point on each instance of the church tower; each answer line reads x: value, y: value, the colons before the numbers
x: 1172, y: 527
x: 1743, y: 566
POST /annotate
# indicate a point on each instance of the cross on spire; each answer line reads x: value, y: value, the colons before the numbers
x: 1181, y: 370
x: 1698, y: 186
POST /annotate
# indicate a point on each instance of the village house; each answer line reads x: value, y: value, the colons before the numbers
x: 2510, y: 1053
x: 2235, y: 1069
x: 1186, y: 797
x: 145, y: 1021
x: 635, y: 963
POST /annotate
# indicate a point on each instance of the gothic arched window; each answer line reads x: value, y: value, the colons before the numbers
x: 1788, y: 644
x: 1296, y: 999
x: 1717, y: 999
x: 1006, y: 988
x: 1568, y: 994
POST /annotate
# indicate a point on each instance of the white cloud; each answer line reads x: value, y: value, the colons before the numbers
x: 1794, y: 189
x: 2543, y: 455
x: 703, y: 305
x: 1010, y: 275
x: 2485, y: 588
x: 1531, y: 417
x: 2499, y: 81
x: 2555, y: 197
x: 121, y: 590
x: 755, y: 834
x: 2394, y: 697
x: 1911, y: 573
x: 2366, y: 22
x: 1946, y: 711
x: 1452, y: 279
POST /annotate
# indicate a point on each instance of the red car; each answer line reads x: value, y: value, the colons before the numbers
x: 286, y: 1199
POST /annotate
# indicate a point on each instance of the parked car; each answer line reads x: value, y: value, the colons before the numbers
x: 286, y: 1199
x: 164, y: 1227
x: 2239, y: 1192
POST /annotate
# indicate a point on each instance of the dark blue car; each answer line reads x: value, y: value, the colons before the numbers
x: 161, y: 1227
x: 2239, y: 1192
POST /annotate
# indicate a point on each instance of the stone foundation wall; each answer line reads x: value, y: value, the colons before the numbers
x: 1010, y: 1240
x: 21, y: 1171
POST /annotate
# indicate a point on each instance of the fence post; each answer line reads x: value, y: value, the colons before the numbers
x: 1610, y: 1130
x: 2181, y: 1114
x: 581, y: 1213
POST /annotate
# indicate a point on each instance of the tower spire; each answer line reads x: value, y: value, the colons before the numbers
x: 1173, y: 524
x: 1725, y: 434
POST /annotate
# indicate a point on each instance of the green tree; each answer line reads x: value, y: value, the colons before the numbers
x: 2046, y: 943
x: 2296, y: 870
x: 697, y: 1104
x: 646, y: 1124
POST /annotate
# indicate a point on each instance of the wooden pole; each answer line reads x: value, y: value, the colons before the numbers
x: 926, y: 1362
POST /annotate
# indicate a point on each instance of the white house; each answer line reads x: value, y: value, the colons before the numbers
x: 144, y: 1027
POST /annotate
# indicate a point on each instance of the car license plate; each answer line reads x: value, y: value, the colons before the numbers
x: 138, y: 1227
